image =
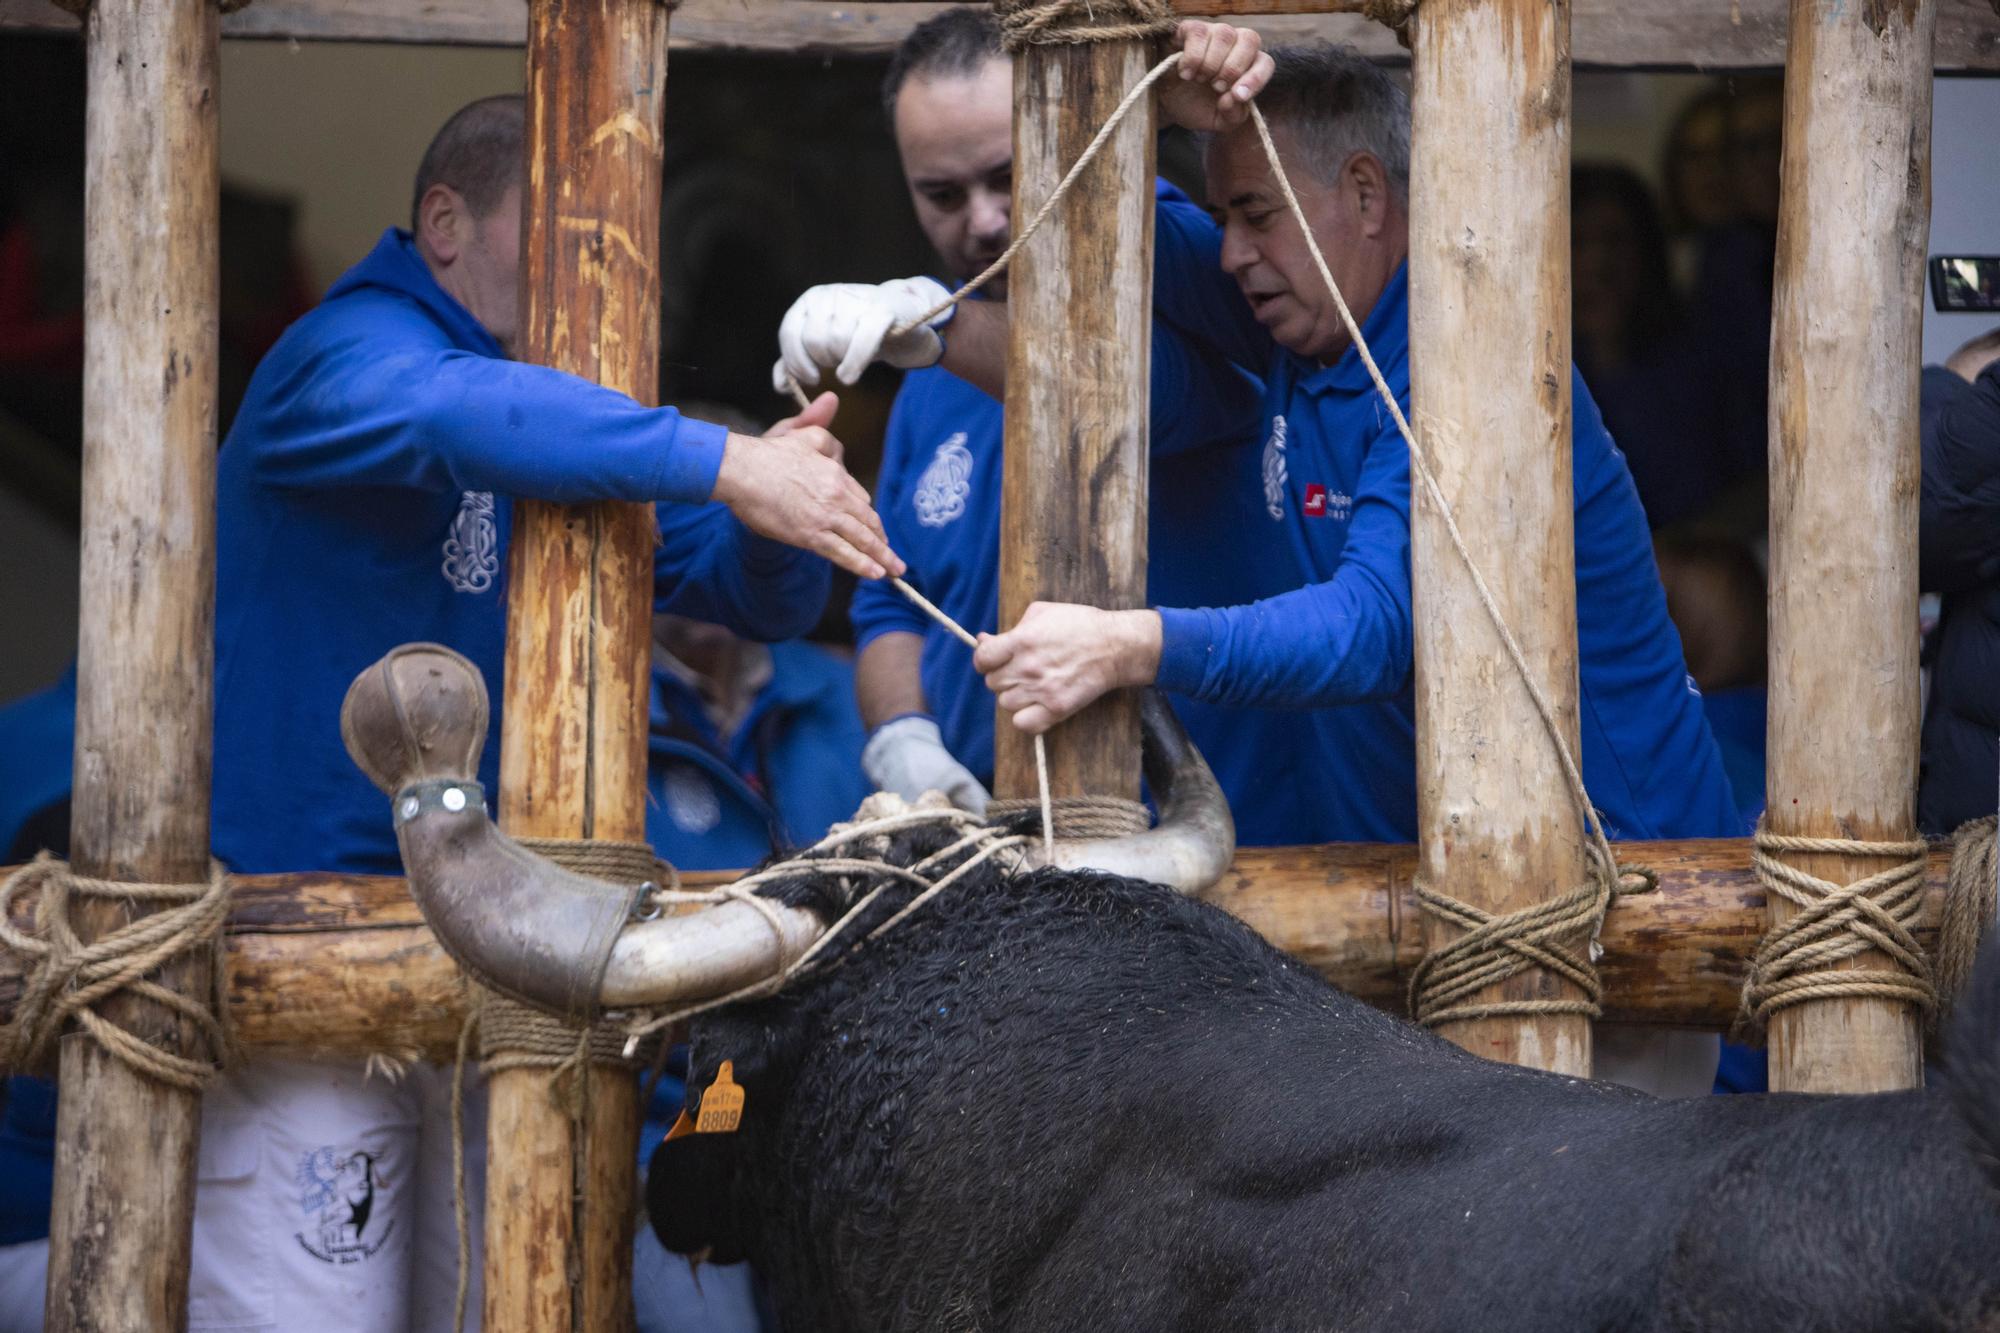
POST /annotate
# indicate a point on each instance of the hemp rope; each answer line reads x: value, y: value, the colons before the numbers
x: 513, y: 1035
x: 1969, y: 907
x: 1026, y: 23
x: 69, y: 979
x: 1078, y: 817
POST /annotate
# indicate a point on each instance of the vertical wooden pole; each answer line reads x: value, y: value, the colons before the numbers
x: 124, y: 1198
x: 573, y: 747
x: 1845, y: 339
x: 1489, y: 336
x: 1073, y: 505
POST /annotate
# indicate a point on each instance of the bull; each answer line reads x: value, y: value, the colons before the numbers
x: 1059, y: 1098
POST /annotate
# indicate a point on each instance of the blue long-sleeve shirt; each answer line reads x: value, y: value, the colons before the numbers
x: 365, y: 500
x: 1331, y: 476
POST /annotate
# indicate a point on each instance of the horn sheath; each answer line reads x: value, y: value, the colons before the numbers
x: 1190, y: 849
x: 415, y: 723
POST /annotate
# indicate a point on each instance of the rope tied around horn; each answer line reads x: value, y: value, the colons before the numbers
x: 69, y: 979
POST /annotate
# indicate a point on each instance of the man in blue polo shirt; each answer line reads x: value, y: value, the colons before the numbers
x: 948, y: 94
x: 364, y: 500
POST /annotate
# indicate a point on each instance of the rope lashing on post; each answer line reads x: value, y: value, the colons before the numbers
x: 1026, y: 23
x: 70, y: 979
x: 1971, y: 901
x: 513, y: 1035
x: 1836, y: 922
x: 1077, y: 817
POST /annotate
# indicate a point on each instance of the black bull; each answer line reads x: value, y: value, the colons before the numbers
x: 1068, y: 1101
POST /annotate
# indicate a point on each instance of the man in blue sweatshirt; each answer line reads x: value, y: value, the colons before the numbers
x: 364, y: 500
x: 948, y: 95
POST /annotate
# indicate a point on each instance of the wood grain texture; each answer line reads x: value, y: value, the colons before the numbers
x: 1489, y: 351
x: 343, y: 966
x: 1846, y: 336
x: 1073, y: 505
x: 118, y: 1255
x: 579, y: 630
x: 1610, y: 34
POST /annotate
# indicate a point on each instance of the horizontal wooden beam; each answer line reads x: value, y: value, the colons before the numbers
x: 343, y: 965
x: 1607, y: 34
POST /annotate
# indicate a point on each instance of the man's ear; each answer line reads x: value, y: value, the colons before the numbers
x: 1370, y: 182
x: 442, y: 223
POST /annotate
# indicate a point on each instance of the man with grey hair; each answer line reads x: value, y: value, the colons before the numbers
x: 1331, y: 476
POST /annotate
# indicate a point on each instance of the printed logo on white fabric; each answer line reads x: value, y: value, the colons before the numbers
x: 1274, y: 470
x: 691, y: 800
x: 945, y: 484
x: 338, y: 1191
x: 472, y: 547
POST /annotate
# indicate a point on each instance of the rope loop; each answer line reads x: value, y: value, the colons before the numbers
x: 1025, y: 23
x: 68, y: 979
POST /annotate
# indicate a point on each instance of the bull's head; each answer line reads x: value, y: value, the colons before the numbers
x: 416, y: 721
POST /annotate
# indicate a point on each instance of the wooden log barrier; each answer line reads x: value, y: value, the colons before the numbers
x: 1073, y: 504
x: 559, y: 1212
x: 1490, y: 385
x: 124, y: 1200
x: 342, y: 965
x: 1845, y: 352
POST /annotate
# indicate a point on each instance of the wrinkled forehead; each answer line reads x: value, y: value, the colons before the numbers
x: 1237, y: 169
x: 957, y: 128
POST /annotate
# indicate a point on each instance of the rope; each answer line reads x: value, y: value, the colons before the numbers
x: 69, y: 979
x: 1075, y: 22
x: 513, y: 1035
x: 1836, y: 922
x: 1078, y: 817
x: 981, y: 840
x: 1969, y: 906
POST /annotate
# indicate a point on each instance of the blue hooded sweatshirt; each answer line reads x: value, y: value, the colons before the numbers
x: 791, y: 768
x: 364, y: 501
x: 1331, y: 478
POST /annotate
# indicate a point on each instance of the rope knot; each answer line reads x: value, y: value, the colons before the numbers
x: 1558, y: 935
x: 68, y: 979
x: 1835, y: 922
x: 1074, y: 22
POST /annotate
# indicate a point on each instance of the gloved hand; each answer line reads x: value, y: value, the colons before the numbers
x: 906, y: 755
x: 845, y: 325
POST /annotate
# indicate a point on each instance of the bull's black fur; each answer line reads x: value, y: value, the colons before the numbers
x: 1073, y: 1102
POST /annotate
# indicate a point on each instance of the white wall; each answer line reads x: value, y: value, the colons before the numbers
x: 1965, y: 196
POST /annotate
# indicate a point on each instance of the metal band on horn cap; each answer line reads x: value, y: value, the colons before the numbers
x: 415, y: 722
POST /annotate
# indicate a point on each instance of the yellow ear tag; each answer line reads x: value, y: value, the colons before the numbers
x: 722, y: 1104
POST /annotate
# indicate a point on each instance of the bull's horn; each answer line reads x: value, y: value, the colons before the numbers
x: 416, y: 722
x: 1192, y: 846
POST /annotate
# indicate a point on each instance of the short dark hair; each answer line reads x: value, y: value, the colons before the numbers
x: 477, y: 153
x: 1339, y: 103
x: 958, y: 41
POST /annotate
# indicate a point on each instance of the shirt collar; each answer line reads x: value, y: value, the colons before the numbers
x: 1387, y: 332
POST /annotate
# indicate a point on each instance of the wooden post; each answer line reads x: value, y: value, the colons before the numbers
x: 579, y: 630
x: 124, y: 1198
x: 1489, y: 336
x: 1073, y: 505
x: 1845, y: 339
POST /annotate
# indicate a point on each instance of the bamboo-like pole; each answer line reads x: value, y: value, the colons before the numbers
x: 1845, y: 352
x: 1073, y: 504
x: 341, y: 966
x: 124, y: 1198
x: 1489, y: 336
x: 573, y: 749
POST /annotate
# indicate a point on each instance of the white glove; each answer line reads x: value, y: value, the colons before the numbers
x: 845, y: 325
x: 907, y: 756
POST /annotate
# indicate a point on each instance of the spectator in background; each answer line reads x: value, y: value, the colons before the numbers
x: 1959, y: 558
x: 1656, y: 383
x: 1715, y: 596
x: 35, y: 748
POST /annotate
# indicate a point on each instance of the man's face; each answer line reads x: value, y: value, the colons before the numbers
x: 1263, y: 249
x: 490, y: 262
x: 956, y: 137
